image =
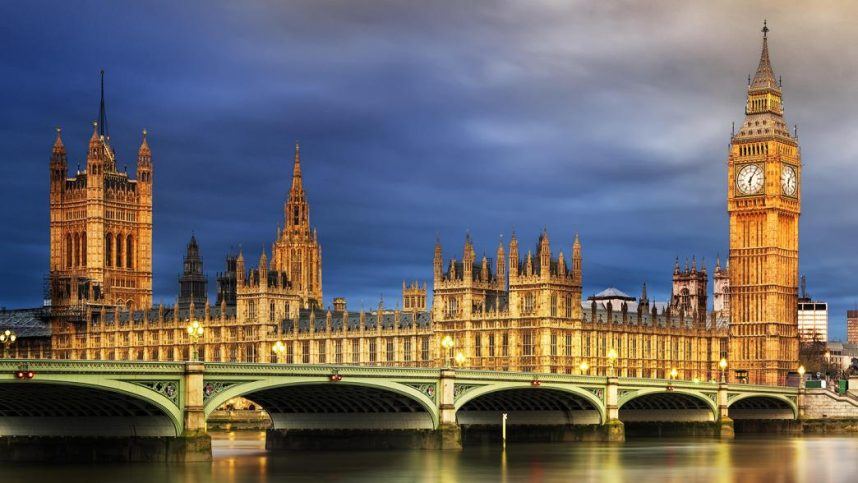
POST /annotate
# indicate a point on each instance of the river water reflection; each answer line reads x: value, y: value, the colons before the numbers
x: 240, y: 457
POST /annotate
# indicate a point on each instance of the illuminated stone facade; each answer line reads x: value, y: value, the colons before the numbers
x: 764, y: 202
x: 519, y: 311
x: 101, y: 228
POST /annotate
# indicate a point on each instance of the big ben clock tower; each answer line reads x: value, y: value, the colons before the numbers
x: 764, y: 203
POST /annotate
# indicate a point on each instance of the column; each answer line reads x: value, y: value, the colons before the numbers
x: 615, y: 431
x: 194, y: 444
x: 725, y: 424
x: 449, y: 433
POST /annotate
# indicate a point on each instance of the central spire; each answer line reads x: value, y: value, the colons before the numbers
x: 765, y: 76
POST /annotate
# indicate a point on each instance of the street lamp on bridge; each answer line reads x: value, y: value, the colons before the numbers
x: 612, y: 358
x: 279, y: 348
x: 584, y: 368
x: 195, y: 331
x: 7, y: 337
x: 722, y: 364
x: 447, y: 343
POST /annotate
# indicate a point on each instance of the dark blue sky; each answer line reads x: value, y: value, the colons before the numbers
x: 418, y: 118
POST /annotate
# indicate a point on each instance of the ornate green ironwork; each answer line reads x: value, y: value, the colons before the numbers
x: 168, y: 389
x: 430, y: 390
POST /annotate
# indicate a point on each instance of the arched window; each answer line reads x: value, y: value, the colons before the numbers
x: 129, y: 252
x: 69, y: 249
x: 108, y: 249
x: 83, y: 249
x: 76, y: 250
x: 119, y: 242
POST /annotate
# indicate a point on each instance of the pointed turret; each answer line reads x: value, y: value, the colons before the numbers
x: 438, y: 262
x: 500, y: 260
x: 765, y: 76
x: 239, y: 269
x: 58, y: 165
x: 576, y: 259
x: 513, y: 256
x: 144, y: 163
x: 297, y: 211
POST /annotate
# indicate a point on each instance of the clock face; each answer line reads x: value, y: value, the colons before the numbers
x: 789, y: 180
x: 750, y: 179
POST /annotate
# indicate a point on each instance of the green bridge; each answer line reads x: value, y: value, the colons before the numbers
x: 157, y: 410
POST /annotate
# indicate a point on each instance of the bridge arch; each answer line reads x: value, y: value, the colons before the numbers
x: 351, y: 403
x: 761, y: 406
x: 557, y: 403
x: 657, y: 404
x: 86, y: 406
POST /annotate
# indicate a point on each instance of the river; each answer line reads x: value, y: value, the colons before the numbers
x: 241, y: 458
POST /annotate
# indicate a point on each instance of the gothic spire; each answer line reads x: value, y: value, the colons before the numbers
x: 102, y: 113
x: 59, y: 147
x: 765, y: 76
x: 144, y: 147
x: 296, y: 169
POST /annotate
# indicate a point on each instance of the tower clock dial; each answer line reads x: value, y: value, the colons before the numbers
x: 750, y: 179
x: 789, y: 180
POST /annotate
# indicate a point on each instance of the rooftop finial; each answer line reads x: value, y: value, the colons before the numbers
x: 765, y: 29
x: 102, y: 114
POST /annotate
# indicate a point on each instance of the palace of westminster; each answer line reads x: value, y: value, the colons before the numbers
x: 521, y: 310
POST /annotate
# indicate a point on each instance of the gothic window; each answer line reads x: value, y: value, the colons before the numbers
x: 424, y: 349
x: 129, y: 256
x: 76, y: 250
x: 323, y: 352
x: 452, y: 306
x: 83, y: 249
x: 271, y: 312
x: 478, y: 345
x: 295, y: 216
x: 338, y: 351
x: 529, y: 303
x: 406, y: 349
x: 567, y: 347
x: 505, y: 345
x: 553, y: 344
x: 372, y: 351
x: 108, y: 249
x: 355, y: 351
x: 569, y: 306
x: 554, y: 305
x: 68, y: 251
x: 391, y: 349
x: 119, y: 242
x: 305, y: 352
x: 491, y: 345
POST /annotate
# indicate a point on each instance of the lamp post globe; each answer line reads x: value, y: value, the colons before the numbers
x: 195, y: 332
x: 612, y: 358
x: 7, y: 337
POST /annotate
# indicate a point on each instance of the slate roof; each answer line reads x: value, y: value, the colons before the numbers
x: 25, y: 322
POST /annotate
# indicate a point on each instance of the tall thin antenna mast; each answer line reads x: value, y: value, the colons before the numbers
x: 102, y: 114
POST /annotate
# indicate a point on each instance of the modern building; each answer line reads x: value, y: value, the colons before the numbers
x: 764, y: 203
x: 852, y: 326
x: 812, y: 320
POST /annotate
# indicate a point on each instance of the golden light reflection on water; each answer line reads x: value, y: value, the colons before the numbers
x: 242, y: 458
